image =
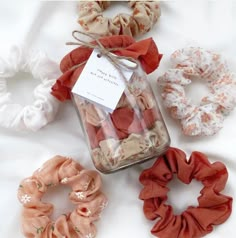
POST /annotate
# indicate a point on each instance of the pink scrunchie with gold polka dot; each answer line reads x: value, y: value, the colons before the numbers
x: 86, y: 194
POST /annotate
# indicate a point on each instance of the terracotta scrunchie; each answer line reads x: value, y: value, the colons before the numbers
x: 86, y: 194
x: 145, y: 15
x: 213, y: 209
x: 145, y: 51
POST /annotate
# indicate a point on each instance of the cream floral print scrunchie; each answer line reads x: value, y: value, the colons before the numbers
x: 145, y: 15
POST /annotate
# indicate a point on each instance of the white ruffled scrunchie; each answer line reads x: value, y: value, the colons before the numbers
x: 43, y: 110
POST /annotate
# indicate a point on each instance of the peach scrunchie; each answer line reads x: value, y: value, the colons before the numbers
x: 213, y: 209
x: 86, y: 194
x: 207, y: 118
x: 145, y: 15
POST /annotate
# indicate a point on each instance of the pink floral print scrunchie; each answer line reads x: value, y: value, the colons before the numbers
x: 85, y: 194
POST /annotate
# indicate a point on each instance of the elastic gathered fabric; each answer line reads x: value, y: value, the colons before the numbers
x: 121, y: 123
x: 86, y: 195
x: 206, y: 118
x: 135, y: 128
x: 145, y: 51
x: 214, y: 208
x: 131, y: 148
x: 44, y: 109
x: 145, y: 15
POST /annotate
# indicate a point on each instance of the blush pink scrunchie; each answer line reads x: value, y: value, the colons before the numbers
x: 86, y: 194
x: 214, y: 207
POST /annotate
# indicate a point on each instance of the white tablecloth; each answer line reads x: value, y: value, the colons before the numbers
x: 47, y: 25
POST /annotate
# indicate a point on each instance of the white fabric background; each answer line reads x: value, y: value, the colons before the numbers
x: 47, y: 26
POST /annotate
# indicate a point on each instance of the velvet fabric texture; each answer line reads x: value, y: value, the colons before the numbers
x: 86, y: 195
x: 145, y: 51
x: 214, y: 208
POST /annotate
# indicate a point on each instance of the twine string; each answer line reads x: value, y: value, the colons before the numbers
x: 117, y: 61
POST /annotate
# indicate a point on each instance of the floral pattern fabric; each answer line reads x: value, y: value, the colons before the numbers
x: 133, y: 132
x: 206, y: 118
x: 145, y: 15
x: 136, y: 116
x: 86, y: 195
x: 112, y: 153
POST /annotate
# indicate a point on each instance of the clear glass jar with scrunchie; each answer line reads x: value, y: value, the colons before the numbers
x: 134, y: 131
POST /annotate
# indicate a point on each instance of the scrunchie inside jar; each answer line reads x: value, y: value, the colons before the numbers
x: 135, y: 130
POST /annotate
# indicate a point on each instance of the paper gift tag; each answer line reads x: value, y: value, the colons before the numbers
x: 101, y: 82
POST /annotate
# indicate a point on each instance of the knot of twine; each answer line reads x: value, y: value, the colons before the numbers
x: 117, y: 61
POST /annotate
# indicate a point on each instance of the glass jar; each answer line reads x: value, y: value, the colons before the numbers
x: 134, y: 132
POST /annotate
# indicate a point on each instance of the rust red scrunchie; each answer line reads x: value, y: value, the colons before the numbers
x: 145, y: 51
x: 213, y: 209
x: 124, y: 122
